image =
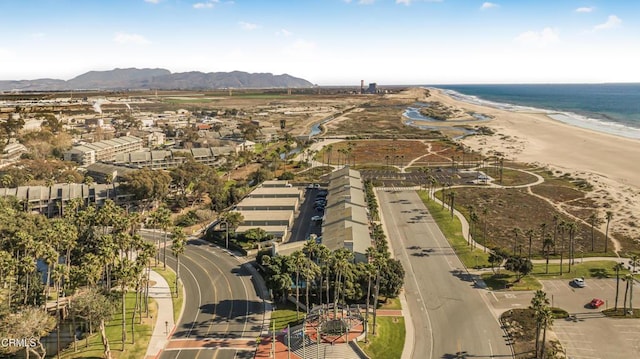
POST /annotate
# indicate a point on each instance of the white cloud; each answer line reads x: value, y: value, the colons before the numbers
x: 488, y: 5
x: 38, y: 35
x: 152, y: 1
x: 538, y: 38
x: 124, y: 38
x: 585, y: 9
x: 205, y: 5
x: 284, y: 32
x: 612, y: 22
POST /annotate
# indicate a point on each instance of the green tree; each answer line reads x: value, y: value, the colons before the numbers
x: 95, y: 309
x: 28, y: 322
x: 177, y: 247
x: 538, y: 303
x: 609, y: 217
x: 617, y: 268
x: 298, y: 262
x: 520, y: 265
x: 546, y: 321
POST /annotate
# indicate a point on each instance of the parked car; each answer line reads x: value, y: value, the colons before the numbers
x: 316, y: 218
x: 579, y: 282
x: 596, y: 303
x: 323, y: 192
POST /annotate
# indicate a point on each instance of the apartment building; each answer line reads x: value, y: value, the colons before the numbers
x: 103, y: 151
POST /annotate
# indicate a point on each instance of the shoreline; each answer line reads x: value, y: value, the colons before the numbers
x: 608, y: 162
x: 612, y: 127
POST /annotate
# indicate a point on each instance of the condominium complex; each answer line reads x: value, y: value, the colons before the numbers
x: 103, y: 151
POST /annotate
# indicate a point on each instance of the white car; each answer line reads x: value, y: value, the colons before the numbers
x: 579, y: 282
x: 316, y: 218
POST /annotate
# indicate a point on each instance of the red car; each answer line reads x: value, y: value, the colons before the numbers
x: 596, y: 303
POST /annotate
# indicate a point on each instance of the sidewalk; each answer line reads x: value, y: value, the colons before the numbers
x: 164, y: 323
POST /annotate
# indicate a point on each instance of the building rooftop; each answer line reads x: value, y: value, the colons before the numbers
x: 267, y: 215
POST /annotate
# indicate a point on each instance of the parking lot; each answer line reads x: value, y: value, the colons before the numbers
x: 591, y: 335
x: 303, y: 226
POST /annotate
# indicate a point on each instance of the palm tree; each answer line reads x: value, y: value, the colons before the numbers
x: 593, y: 219
x: 546, y: 246
x: 608, y: 216
x: 618, y: 267
x: 341, y: 260
x: 543, y: 229
x: 298, y: 262
x: 546, y: 321
x: 515, y: 231
x: 538, y: 303
x: 324, y: 260
x: 628, y: 278
x: 485, y: 212
x: 310, y: 271
x: 179, y: 240
x: 571, y: 227
x: 163, y: 220
x: 529, y: 233
x: 452, y: 196
x: 329, y: 152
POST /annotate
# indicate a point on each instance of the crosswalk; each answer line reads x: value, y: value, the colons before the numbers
x: 313, y: 350
x: 408, y: 188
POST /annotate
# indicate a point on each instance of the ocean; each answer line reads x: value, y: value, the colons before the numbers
x: 609, y: 108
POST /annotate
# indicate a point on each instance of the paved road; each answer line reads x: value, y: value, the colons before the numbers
x: 223, y: 313
x: 450, y: 314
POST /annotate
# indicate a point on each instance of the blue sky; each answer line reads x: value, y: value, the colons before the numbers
x: 329, y: 42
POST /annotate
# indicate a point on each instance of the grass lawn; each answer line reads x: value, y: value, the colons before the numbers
x: 595, y: 269
x: 283, y: 315
x: 452, y: 230
x: 392, y: 303
x: 388, y: 341
x: 170, y: 276
x: 505, y: 277
x: 114, y: 334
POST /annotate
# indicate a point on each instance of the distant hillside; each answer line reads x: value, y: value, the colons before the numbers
x: 122, y: 79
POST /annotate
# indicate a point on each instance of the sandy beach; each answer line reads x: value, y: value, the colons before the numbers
x: 610, y: 163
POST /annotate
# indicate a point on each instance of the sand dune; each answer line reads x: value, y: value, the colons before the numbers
x: 610, y: 163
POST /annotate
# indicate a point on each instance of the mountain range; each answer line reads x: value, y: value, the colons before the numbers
x: 160, y: 79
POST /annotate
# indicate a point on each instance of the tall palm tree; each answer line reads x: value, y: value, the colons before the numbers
x: 515, y: 231
x: 608, y: 216
x: 618, y: 267
x: 298, y: 260
x: 529, y: 233
x: 341, y: 260
x: 538, y: 303
x: 329, y: 151
x: 485, y: 212
x: 546, y: 321
x: 546, y: 246
x: 178, y: 243
x: 628, y: 278
x: 310, y: 271
x: 164, y: 221
x: 593, y: 220
x: 571, y: 229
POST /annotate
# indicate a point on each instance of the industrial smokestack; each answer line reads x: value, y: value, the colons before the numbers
x: 361, y: 86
